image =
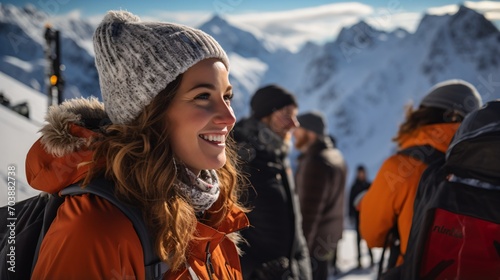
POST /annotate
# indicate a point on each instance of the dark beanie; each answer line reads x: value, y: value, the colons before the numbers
x: 457, y: 95
x: 270, y: 98
x: 361, y: 168
x: 313, y: 121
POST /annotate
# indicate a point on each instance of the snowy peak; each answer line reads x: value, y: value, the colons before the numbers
x: 466, y: 36
x: 469, y: 22
x: 429, y: 23
x: 22, y: 46
x: 234, y: 39
x: 360, y: 34
x: 28, y: 18
x: 466, y: 30
x: 464, y: 23
x: 216, y: 20
x: 31, y: 11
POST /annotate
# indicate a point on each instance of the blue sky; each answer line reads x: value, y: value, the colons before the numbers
x: 92, y: 7
x: 290, y: 23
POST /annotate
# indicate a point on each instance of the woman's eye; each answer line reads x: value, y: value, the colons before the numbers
x: 228, y: 96
x: 203, y: 96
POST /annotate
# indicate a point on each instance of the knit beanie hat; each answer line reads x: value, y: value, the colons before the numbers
x: 457, y: 95
x: 136, y: 60
x: 313, y: 121
x: 270, y: 98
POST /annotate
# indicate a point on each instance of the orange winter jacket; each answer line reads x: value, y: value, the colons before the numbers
x: 92, y: 239
x: 393, y: 190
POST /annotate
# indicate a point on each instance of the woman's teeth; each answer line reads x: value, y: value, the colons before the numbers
x: 213, y: 138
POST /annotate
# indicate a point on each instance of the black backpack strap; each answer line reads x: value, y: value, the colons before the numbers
x: 424, y: 153
x: 392, y: 242
x: 154, y: 267
x: 53, y: 203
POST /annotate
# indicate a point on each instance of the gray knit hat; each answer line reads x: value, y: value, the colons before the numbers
x: 457, y: 95
x: 313, y: 121
x: 136, y: 60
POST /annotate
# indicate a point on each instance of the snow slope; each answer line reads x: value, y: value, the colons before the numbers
x: 18, y: 134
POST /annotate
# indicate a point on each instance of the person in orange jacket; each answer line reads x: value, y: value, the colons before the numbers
x: 431, y: 126
x: 161, y: 138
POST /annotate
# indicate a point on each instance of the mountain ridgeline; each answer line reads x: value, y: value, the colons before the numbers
x: 361, y: 80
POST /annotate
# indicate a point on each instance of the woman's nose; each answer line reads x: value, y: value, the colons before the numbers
x: 225, y: 114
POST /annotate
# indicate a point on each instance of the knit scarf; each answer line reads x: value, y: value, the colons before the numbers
x: 202, y: 191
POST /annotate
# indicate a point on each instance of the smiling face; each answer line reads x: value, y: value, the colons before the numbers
x: 200, y: 116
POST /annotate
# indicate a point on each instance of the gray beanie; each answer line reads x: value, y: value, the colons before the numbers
x: 313, y: 121
x: 457, y: 95
x: 136, y: 60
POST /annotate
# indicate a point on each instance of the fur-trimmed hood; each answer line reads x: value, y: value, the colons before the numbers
x: 54, y: 160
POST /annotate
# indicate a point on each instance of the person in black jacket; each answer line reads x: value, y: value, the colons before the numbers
x: 276, y: 247
x: 359, y: 187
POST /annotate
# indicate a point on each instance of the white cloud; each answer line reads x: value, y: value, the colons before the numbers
x: 187, y: 18
x: 492, y: 16
x: 442, y: 10
x: 490, y: 9
x: 388, y: 22
x: 483, y: 6
x: 292, y: 28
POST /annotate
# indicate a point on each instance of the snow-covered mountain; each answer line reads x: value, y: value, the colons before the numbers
x: 22, y: 49
x: 361, y: 81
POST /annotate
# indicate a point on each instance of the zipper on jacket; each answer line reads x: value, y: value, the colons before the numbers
x: 208, y: 262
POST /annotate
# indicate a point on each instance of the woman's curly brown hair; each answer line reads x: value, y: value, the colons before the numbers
x: 415, y: 118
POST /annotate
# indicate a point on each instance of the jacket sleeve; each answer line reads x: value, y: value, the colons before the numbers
x: 381, y: 205
x: 90, y: 239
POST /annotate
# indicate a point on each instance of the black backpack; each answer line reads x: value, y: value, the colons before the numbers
x: 456, y: 232
x: 29, y: 220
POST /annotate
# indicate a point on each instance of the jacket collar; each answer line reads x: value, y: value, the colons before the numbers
x: 208, y: 238
x: 261, y: 137
x: 437, y: 135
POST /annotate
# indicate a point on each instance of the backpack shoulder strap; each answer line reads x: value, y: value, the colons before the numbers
x: 50, y: 211
x: 154, y: 267
x: 424, y: 153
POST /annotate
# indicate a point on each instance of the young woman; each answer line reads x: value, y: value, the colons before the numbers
x: 167, y: 95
